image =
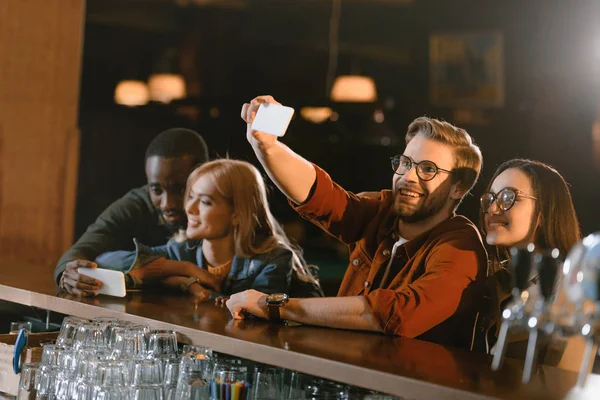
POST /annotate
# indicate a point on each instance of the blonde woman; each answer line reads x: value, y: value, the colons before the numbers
x: 232, y: 241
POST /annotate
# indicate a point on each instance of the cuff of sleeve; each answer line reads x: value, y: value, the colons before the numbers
x: 138, y: 283
x: 58, y: 275
x: 143, y: 256
x: 321, y: 180
x: 132, y: 282
x: 381, y: 304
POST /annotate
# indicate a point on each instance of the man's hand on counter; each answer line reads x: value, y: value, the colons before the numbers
x: 78, y: 284
x: 248, y: 302
x: 335, y: 312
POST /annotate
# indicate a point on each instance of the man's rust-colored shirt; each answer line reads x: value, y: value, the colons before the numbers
x: 436, y: 280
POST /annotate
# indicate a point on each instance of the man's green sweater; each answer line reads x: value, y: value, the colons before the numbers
x: 132, y: 216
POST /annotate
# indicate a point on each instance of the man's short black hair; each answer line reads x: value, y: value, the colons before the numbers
x: 178, y: 142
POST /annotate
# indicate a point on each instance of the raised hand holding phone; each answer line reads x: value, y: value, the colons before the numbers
x: 292, y: 174
x: 274, y: 118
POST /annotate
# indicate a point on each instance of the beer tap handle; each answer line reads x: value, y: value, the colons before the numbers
x: 500, y: 345
x: 531, y: 354
x: 585, y: 362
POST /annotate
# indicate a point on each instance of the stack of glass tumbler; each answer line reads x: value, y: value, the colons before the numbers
x: 109, y: 359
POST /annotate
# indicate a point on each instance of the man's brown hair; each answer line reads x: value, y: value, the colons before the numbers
x: 468, y: 159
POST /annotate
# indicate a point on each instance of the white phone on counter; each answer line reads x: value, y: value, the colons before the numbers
x: 272, y: 119
x: 113, y: 282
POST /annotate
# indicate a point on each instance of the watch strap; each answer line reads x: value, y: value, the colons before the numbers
x: 274, y: 312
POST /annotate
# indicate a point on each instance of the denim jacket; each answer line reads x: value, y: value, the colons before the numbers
x: 267, y: 273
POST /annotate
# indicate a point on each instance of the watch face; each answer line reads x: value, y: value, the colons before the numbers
x: 277, y: 298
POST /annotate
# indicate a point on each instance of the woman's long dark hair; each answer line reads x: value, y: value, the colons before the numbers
x: 554, y: 213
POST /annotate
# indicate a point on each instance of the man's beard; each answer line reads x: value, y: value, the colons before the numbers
x: 434, y: 203
x: 174, y: 227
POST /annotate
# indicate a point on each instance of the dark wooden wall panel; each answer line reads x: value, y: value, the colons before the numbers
x: 40, y: 63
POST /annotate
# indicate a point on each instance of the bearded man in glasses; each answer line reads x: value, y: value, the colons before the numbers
x: 416, y: 269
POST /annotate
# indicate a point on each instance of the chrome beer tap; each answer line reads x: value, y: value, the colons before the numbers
x: 581, y: 283
x: 515, y: 315
x: 540, y: 318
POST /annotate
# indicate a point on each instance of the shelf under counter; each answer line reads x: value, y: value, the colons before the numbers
x: 404, y: 367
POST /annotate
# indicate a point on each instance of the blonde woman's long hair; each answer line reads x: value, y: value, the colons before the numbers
x: 257, y: 231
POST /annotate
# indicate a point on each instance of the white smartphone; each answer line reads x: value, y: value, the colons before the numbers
x: 272, y: 119
x: 113, y: 282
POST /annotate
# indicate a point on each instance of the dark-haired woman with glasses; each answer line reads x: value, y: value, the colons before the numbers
x: 526, y: 202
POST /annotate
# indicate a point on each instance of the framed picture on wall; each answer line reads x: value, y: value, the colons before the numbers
x: 466, y: 69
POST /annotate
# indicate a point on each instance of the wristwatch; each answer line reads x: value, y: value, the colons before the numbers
x: 275, y: 301
x: 185, y: 286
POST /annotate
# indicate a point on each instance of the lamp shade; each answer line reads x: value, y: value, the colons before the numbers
x: 353, y: 89
x: 316, y: 115
x: 166, y: 87
x: 132, y: 93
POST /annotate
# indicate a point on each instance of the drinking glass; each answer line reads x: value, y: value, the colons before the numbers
x: 116, y: 325
x: 171, y: 393
x: 162, y: 344
x: 126, y: 344
x: 27, y: 381
x: 111, y: 373
x: 68, y: 329
x: 91, y: 335
x: 57, y: 356
x: 195, y: 371
x: 114, y: 334
x: 229, y: 378
x: 86, y: 367
x: 267, y: 383
x: 147, y: 392
x: 195, y: 349
x: 171, y: 368
x: 82, y: 391
x: 46, y: 382
x: 196, y: 363
x: 320, y: 389
x: 106, y: 320
x: 140, y: 328
x: 64, y: 386
x: 306, y: 387
x: 15, y: 327
x: 147, y: 372
x: 110, y: 393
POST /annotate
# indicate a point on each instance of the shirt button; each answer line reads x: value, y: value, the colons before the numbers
x: 355, y: 262
x: 386, y: 252
x: 367, y: 284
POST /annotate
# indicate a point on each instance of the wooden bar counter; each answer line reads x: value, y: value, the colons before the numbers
x: 404, y: 367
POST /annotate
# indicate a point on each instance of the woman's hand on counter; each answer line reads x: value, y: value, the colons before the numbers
x: 199, y: 292
x: 161, y: 269
x: 78, y: 284
x: 195, y: 289
x: 207, y: 279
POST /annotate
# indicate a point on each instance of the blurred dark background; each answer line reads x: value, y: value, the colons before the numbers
x: 229, y: 51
